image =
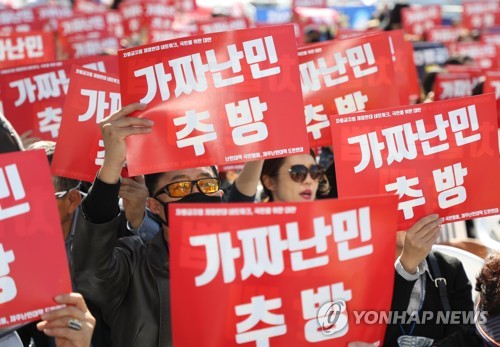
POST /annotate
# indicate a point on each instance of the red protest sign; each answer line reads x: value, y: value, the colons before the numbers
x: 20, y: 21
x: 132, y: 13
x: 345, y: 76
x: 480, y: 14
x: 221, y: 99
x: 91, y: 97
x: 89, y: 7
x: 404, y: 68
x: 82, y: 23
x: 452, y: 85
x: 88, y: 47
x: 491, y: 38
x: 418, y: 20
x: 165, y: 35
x: 33, y: 262
x: 492, y: 85
x: 439, y: 157
x: 221, y: 24
x: 155, y: 12
x: 309, y: 3
x: 49, y: 14
x: 185, y: 5
x: 33, y: 98
x: 444, y: 34
x: 485, y: 55
x: 30, y: 48
x: 290, y: 259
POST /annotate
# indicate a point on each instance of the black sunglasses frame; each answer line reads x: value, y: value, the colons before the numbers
x: 302, y: 175
x: 164, y: 189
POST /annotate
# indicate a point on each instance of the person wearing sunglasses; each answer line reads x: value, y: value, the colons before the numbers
x: 129, y: 278
x: 293, y: 179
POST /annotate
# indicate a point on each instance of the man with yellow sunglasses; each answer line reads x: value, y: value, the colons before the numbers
x: 129, y: 278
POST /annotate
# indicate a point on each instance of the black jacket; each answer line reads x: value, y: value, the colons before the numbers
x: 128, y: 279
x: 459, y: 295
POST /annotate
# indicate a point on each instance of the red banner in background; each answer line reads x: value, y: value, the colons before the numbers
x: 269, y: 268
x: 19, y: 21
x: 345, y: 76
x: 404, y: 68
x: 33, y: 99
x: 26, y: 48
x: 92, y: 96
x: 492, y: 85
x: 220, y: 99
x: 33, y: 262
x: 480, y: 14
x: 452, y: 85
x: 439, y: 157
x: 309, y: 3
x: 91, y: 47
x: 491, y: 38
x: 419, y: 20
x: 485, y: 55
x: 444, y: 34
x: 50, y: 14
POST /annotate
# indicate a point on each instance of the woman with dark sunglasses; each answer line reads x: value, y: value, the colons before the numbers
x: 292, y: 179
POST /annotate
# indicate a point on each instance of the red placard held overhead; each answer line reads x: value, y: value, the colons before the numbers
x: 33, y: 99
x: 492, y: 85
x: 221, y: 98
x: 33, y: 262
x: 452, y: 85
x: 91, y: 97
x: 439, y: 157
x: 485, y: 55
x: 345, y: 76
x: 491, y: 38
x: 26, y: 48
x: 404, y: 68
x: 444, y: 34
x: 265, y: 274
x: 309, y: 3
x: 419, y: 20
x: 480, y: 14
x: 19, y: 21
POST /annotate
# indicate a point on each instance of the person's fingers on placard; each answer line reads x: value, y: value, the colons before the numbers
x: 125, y: 111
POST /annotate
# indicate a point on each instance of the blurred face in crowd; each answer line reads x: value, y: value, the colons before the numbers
x: 296, y: 180
x: 67, y: 202
x: 188, y: 185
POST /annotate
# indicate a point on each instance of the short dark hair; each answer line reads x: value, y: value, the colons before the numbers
x: 151, y: 180
x: 61, y: 183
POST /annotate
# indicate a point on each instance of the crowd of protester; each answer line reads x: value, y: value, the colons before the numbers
x: 117, y: 240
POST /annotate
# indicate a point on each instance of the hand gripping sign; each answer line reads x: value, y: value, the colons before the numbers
x: 221, y: 98
x: 440, y: 157
x: 92, y: 96
x: 258, y: 274
x: 343, y: 77
x: 33, y: 262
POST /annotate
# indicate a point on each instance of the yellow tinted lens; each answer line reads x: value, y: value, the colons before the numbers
x: 208, y: 185
x: 179, y: 189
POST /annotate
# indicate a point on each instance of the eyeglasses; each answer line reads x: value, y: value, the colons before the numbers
x: 298, y: 173
x: 63, y: 193
x: 184, y: 188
